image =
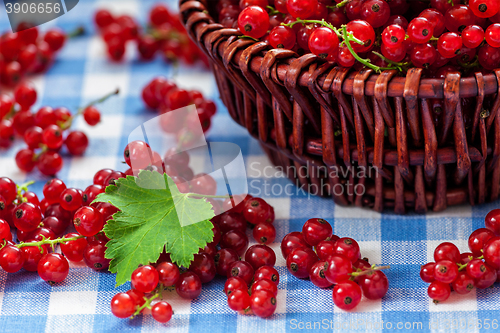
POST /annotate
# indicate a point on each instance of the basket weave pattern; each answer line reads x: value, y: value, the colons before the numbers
x: 336, y: 122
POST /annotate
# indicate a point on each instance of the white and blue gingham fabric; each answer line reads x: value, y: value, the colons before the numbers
x: 82, y: 302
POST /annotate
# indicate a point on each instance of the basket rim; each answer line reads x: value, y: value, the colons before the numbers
x: 428, y: 87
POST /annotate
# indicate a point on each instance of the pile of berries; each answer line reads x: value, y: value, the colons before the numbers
x: 42, y: 131
x: 26, y: 52
x: 41, y: 225
x: 378, y: 34
x: 165, y: 34
x: 334, y: 261
x: 163, y: 95
x: 461, y: 272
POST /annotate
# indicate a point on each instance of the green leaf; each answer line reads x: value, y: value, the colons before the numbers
x: 153, y: 215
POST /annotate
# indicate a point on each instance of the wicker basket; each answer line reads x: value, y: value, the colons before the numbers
x: 338, y: 123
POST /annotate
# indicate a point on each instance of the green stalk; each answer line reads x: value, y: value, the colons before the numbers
x: 51, y: 242
x: 370, y: 270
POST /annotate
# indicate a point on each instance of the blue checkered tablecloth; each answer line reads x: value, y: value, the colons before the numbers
x: 81, y: 304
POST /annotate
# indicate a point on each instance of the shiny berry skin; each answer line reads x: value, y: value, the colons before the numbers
x: 374, y: 285
x: 447, y: 251
x: 472, y: 36
x: 265, y: 284
x: 33, y: 137
x: 478, y: 239
x: 188, y: 286
x: 92, y: 115
x: 492, y: 221
x: 168, y: 273
x: 292, y: 241
x: 101, y: 176
x: 348, y: 247
x: 11, y: 258
x: 27, y: 217
x: 5, y: 231
x: 301, y: 8
x: 458, y: 17
x: 232, y: 221
x: 256, y: 210
x: 52, y: 137
x: 476, y: 268
x: 263, y: 303
x: 317, y: 274
x: 323, y: 42
x: 93, y: 256
x: 203, y: 184
x: 363, y: 31
x: 235, y: 283
x: 122, y: 305
x: 339, y: 268
x: 393, y: 35
x: 238, y: 300
x: 420, y: 30
x: 241, y: 269
x: 223, y: 260
x: 137, y: 154
x: 203, y: 265
x: 235, y: 240
x: 439, y: 291
x: 145, y: 278
x: 264, y: 233
x: 489, y: 57
x: 282, y: 37
x: 55, y: 38
x: 463, y: 284
x: 326, y: 248
x: 445, y: 271
x: 487, y: 279
x: 267, y: 272
x: 115, y: 175
x: 73, y: 250
x: 316, y: 230
x: 253, y: 21
x: 137, y: 297
x: 26, y: 160
x: 63, y: 217
x: 300, y: 261
x: 375, y: 12
x: 50, y: 163
x: 32, y: 256
x: 346, y: 295
x: 8, y: 190
x: 52, y: 190
x: 484, y: 8
x: 427, y: 272
x: 449, y: 44
x: 436, y: 19
x: 162, y: 312
x: 77, y: 143
x: 25, y: 95
x: 492, y: 252
x: 88, y: 221
x: 260, y: 255
x: 71, y: 199
x: 159, y: 14
x: 91, y: 193
x: 53, y: 268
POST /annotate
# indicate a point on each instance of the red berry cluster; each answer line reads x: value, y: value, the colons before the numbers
x: 163, y: 95
x: 378, y: 34
x: 42, y: 131
x: 41, y: 224
x: 26, y: 52
x: 165, y: 34
x: 335, y: 261
x: 221, y: 256
x: 461, y: 272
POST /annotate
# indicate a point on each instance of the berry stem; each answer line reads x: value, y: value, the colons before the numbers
x: 370, y: 270
x: 79, y: 31
x: 67, y: 124
x: 51, y: 242
x: 147, y: 304
x: 23, y: 187
x: 248, y: 37
x: 339, y: 5
x: 461, y: 267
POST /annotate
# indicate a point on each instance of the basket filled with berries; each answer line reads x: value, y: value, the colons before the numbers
x: 397, y: 99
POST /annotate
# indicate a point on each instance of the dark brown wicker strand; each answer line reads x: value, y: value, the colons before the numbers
x: 335, y: 122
